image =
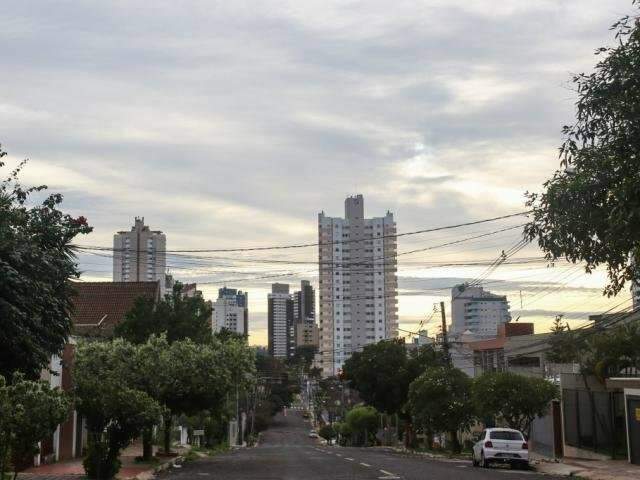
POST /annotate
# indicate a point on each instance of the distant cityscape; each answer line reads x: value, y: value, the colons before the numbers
x: 357, y: 293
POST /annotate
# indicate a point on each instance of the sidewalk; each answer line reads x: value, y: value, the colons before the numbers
x: 592, y: 469
x: 73, y: 469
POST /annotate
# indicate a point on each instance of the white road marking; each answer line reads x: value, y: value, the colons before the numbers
x: 338, y: 454
x: 388, y: 475
x: 350, y: 459
x: 365, y: 464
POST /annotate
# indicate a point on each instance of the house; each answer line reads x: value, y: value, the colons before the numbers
x: 97, y: 308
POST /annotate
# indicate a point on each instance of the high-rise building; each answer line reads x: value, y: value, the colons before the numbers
x: 140, y: 255
x: 281, y: 328
x: 358, y: 284
x: 304, y: 315
x: 230, y: 311
x: 477, y: 311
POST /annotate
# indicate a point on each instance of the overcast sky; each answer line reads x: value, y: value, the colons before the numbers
x: 234, y: 123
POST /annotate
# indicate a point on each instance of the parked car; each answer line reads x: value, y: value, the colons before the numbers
x: 501, y: 445
x: 313, y: 434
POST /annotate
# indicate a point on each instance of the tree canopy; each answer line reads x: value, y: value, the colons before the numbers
x: 177, y: 316
x: 516, y: 399
x: 115, y: 409
x: 36, y: 262
x: 29, y: 412
x: 590, y: 208
x: 440, y: 400
x: 382, y: 372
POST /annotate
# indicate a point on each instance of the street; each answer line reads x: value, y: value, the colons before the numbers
x: 286, y: 452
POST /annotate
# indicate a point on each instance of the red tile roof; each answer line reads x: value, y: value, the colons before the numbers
x: 100, y: 306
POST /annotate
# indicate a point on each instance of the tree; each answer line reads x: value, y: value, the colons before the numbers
x: 440, y: 400
x: 327, y: 432
x: 184, y: 377
x: 30, y: 411
x: 177, y: 316
x: 115, y: 409
x: 363, y: 422
x: 304, y: 356
x: 36, y: 262
x: 379, y: 373
x: 517, y: 399
x: 590, y: 208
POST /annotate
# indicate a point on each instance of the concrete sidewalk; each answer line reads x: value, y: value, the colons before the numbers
x: 592, y: 469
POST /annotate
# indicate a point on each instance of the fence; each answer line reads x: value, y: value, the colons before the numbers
x: 595, y: 421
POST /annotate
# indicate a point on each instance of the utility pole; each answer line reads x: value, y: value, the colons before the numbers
x: 445, y: 341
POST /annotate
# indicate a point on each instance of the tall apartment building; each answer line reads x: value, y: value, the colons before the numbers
x: 140, y: 255
x: 478, y: 311
x: 281, y: 328
x: 304, y: 315
x: 231, y: 311
x: 358, y: 284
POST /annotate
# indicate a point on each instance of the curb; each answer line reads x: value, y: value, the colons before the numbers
x: 147, y: 474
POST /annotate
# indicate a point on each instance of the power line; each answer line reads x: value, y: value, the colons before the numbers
x: 315, y: 244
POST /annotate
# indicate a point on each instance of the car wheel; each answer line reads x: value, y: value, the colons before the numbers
x: 483, y: 461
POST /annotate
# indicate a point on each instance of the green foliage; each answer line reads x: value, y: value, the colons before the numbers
x: 116, y: 410
x: 597, y: 350
x: 517, y: 399
x: 382, y: 372
x: 176, y: 316
x: 440, y: 400
x: 36, y: 262
x: 327, y: 432
x: 363, y: 422
x: 30, y: 411
x: 303, y: 356
x: 590, y: 208
x: 184, y: 377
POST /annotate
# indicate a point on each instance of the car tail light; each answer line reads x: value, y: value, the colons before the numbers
x: 525, y: 446
x: 488, y: 444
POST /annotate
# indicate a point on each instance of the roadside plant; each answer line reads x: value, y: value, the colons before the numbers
x: 327, y: 432
x: 516, y: 399
x: 114, y: 407
x: 30, y: 411
x: 440, y: 401
x: 37, y: 259
x: 363, y: 423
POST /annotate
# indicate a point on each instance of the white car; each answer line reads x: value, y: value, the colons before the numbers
x: 501, y: 445
x: 313, y: 434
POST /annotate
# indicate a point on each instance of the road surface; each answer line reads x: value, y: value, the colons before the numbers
x: 286, y: 453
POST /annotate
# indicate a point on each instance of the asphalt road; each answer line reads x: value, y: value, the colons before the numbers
x: 286, y: 453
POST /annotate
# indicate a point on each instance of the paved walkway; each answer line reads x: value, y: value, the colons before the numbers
x: 592, y: 469
x: 73, y: 469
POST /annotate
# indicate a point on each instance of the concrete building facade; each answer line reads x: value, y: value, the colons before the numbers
x: 304, y: 315
x: 231, y: 311
x: 281, y: 328
x: 358, y: 283
x: 140, y: 255
x: 477, y: 311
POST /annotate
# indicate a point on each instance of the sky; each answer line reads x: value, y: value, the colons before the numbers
x: 233, y: 124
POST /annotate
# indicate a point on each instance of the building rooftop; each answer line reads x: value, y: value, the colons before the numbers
x: 99, y: 306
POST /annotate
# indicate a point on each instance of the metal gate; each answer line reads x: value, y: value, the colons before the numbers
x: 633, y: 428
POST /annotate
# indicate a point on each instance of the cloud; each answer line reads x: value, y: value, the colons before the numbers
x: 234, y: 124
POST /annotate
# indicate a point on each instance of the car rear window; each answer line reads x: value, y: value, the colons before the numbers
x: 505, y: 435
